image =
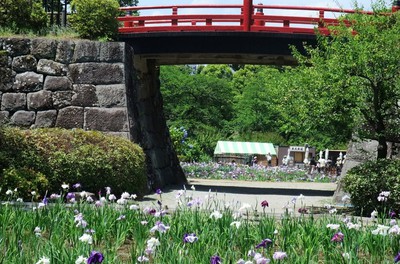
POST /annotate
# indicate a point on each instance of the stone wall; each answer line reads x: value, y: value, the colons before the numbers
x: 63, y: 83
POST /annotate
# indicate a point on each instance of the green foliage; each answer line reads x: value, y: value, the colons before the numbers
x: 272, y: 137
x: 186, y: 148
x: 95, y: 19
x: 23, y: 16
x: 26, y: 180
x: 128, y: 2
x: 360, y: 72
x: 90, y: 158
x: 364, y: 183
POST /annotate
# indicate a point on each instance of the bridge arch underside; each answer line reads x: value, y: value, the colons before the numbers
x: 147, y: 51
x: 172, y: 48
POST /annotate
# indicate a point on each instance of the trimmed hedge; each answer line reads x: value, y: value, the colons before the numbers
x: 364, y: 183
x: 42, y: 159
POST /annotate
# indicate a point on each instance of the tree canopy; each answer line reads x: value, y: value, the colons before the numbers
x: 348, y: 84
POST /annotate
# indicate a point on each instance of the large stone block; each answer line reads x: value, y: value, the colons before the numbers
x: 44, y: 48
x: 46, y: 118
x: 65, y: 51
x: 13, y: 102
x: 111, y: 95
x: 86, y: 51
x: 62, y: 99
x: 51, y: 67
x: 41, y: 100
x: 55, y: 83
x: 28, y: 82
x: 24, y: 63
x: 17, y: 46
x: 97, y: 73
x: 84, y: 95
x: 106, y: 119
x: 4, y: 117
x: 6, y: 79
x: 112, y: 51
x: 5, y: 60
x: 70, y: 117
x: 23, y: 118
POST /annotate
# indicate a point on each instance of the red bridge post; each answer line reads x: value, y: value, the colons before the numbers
x: 174, y: 13
x: 396, y: 6
x: 247, y: 14
x: 259, y: 22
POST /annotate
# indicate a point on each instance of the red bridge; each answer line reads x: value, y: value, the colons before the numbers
x: 244, y: 18
x: 246, y: 33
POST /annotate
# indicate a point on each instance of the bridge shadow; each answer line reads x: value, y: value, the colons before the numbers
x: 254, y: 190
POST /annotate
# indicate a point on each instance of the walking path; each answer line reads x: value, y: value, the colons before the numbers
x: 278, y: 194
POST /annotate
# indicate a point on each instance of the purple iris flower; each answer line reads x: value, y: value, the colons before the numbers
x: 264, y: 204
x: 392, y: 214
x: 397, y: 258
x: 264, y: 243
x: 70, y: 196
x: 215, y: 259
x: 158, y: 191
x: 77, y: 185
x: 338, y: 237
x: 95, y: 257
x: 45, y: 200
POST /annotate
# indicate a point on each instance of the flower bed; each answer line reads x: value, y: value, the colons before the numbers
x: 107, y: 229
x: 212, y: 170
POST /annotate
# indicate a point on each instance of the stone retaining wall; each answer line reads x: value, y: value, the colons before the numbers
x: 63, y: 83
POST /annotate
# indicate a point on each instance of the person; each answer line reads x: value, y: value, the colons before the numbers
x: 269, y: 159
x: 255, y: 161
x: 313, y: 165
x: 322, y: 164
x: 284, y: 161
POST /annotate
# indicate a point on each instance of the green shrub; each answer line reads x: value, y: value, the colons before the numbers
x: 95, y: 19
x: 364, y: 183
x: 23, y: 15
x: 26, y: 180
x: 70, y: 156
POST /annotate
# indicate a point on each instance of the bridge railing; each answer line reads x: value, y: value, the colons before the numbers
x: 246, y: 17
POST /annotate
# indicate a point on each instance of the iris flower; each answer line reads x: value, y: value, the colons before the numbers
x: 215, y: 259
x: 264, y: 243
x: 338, y: 237
x: 95, y: 257
x: 190, y: 238
x: 279, y: 255
x: 397, y: 258
x: 264, y: 204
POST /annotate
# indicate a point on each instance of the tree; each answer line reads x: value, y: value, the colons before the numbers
x: 22, y: 16
x: 95, y: 19
x: 200, y: 103
x: 128, y: 2
x: 363, y: 62
x: 257, y: 94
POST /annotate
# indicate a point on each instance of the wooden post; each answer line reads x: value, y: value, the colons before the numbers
x: 259, y: 22
x: 247, y: 14
x: 174, y: 13
x: 321, y: 23
x: 396, y: 6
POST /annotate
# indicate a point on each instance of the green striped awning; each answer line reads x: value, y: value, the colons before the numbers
x: 237, y: 147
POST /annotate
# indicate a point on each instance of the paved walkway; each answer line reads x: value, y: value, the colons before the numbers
x: 278, y: 194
